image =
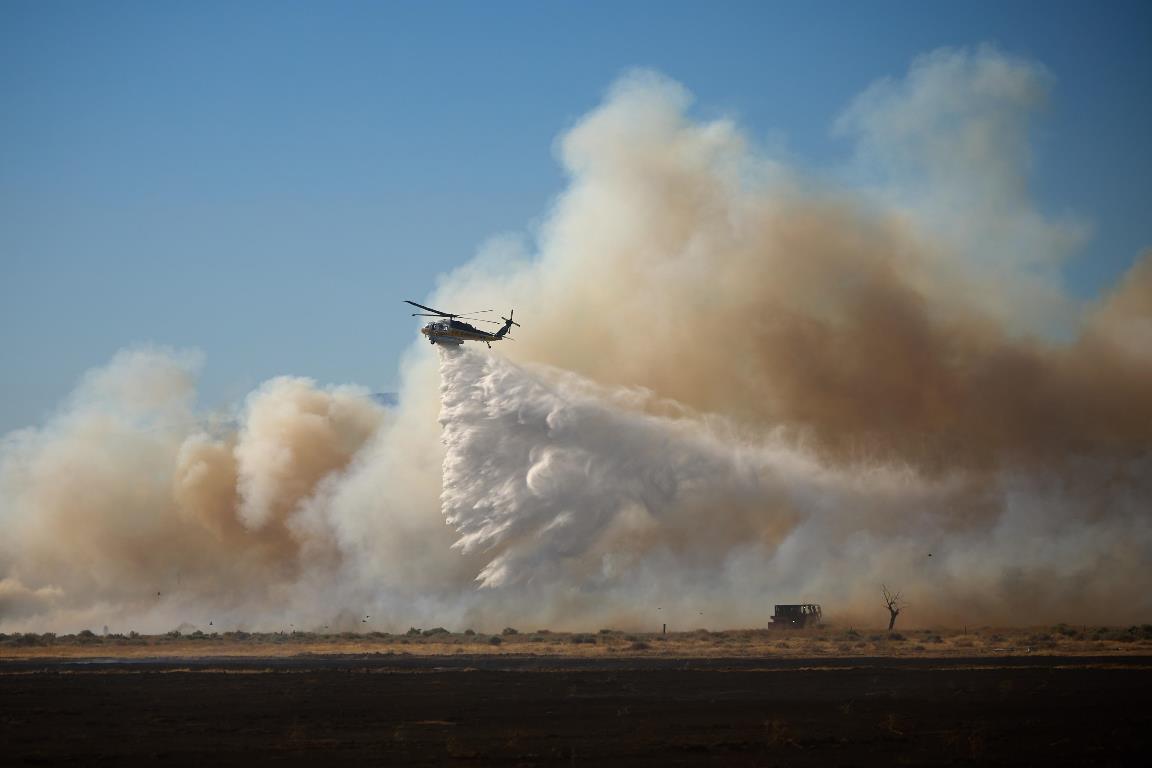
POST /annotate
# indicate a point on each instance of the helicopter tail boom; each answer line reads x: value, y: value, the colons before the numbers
x: 508, y: 323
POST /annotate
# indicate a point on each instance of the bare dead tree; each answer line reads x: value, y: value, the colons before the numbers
x: 894, y: 603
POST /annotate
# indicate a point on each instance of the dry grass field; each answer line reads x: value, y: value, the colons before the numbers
x: 1059, y: 640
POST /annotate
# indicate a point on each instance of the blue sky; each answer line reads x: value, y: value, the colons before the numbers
x: 266, y: 181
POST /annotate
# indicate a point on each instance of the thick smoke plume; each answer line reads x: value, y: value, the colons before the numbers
x: 735, y: 385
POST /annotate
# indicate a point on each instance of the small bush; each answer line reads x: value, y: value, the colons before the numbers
x: 895, y: 636
x: 639, y: 645
x: 510, y: 631
x: 495, y: 640
x: 414, y: 632
x: 469, y: 632
x: 436, y: 631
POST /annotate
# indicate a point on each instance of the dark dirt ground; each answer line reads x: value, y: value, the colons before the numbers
x: 399, y: 710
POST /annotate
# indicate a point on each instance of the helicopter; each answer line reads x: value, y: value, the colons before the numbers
x: 450, y: 331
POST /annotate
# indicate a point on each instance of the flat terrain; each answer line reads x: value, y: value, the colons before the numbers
x: 504, y: 709
x: 1050, y: 695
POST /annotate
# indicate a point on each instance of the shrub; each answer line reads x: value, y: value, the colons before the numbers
x: 436, y: 631
x: 895, y: 636
x: 639, y: 645
x: 494, y: 640
x: 470, y: 632
x: 414, y: 632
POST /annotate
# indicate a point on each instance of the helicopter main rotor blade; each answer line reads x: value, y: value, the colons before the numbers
x: 436, y: 311
x: 478, y: 320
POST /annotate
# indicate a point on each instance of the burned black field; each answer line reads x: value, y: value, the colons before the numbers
x: 525, y: 710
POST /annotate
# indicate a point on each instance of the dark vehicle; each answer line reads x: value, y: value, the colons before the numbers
x: 802, y: 615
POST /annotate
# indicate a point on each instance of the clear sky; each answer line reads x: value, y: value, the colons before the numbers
x: 266, y: 181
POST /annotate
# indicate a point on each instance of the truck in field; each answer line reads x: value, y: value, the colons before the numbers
x: 798, y: 616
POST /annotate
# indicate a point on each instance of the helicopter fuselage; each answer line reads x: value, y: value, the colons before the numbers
x: 454, y: 333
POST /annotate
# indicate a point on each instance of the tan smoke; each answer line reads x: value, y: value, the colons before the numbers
x: 913, y: 324
x: 681, y: 261
x: 122, y: 499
